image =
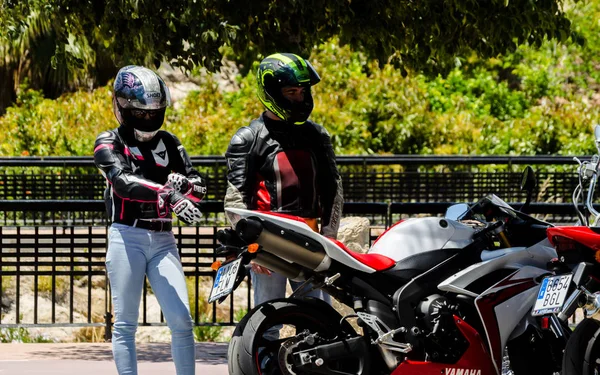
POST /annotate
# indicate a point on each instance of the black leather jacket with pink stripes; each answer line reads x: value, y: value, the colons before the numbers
x: 135, y: 171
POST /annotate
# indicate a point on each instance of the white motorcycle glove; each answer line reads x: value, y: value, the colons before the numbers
x: 186, y: 210
x: 179, y: 182
x: 170, y: 199
x: 194, y: 188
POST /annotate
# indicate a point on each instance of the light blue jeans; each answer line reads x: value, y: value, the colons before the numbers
x: 133, y: 253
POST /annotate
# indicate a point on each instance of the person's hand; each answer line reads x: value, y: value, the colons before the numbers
x: 170, y: 199
x: 192, y: 188
x: 179, y: 182
x: 260, y: 269
x: 185, y: 209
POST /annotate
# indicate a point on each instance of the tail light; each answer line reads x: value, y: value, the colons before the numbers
x: 563, y: 244
x: 568, y: 245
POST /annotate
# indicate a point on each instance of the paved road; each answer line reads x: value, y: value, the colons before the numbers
x: 96, y: 359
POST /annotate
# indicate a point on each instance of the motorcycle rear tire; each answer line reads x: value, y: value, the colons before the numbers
x: 243, y: 357
x: 574, y: 359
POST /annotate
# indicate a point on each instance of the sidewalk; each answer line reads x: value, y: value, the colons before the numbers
x: 96, y: 359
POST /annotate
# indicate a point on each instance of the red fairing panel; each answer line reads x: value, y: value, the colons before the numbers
x: 581, y: 234
x: 475, y: 361
x: 377, y: 262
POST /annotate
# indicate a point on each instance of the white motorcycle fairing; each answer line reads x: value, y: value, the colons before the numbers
x: 419, y: 235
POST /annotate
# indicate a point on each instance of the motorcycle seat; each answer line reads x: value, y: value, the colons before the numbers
x: 376, y: 261
x: 416, y: 264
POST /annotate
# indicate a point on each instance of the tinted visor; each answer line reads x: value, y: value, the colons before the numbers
x: 144, y: 120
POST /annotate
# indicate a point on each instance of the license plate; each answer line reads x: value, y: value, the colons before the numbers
x: 552, y: 295
x: 226, y: 275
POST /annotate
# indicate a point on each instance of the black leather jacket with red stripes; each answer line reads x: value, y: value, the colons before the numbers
x: 276, y: 166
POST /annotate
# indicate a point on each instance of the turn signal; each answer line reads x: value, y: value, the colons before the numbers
x: 597, y: 256
x: 252, y: 248
x: 216, y: 264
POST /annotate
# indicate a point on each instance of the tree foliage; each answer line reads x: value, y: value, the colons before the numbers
x: 424, y: 35
x: 33, y: 51
x: 534, y: 100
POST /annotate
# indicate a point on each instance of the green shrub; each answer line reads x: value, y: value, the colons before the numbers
x: 6, y: 282
x: 207, y: 333
x: 60, y: 287
x: 21, y: 335
x: 534, y: 101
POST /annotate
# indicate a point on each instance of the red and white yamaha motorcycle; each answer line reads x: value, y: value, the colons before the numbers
x: 432, y: 296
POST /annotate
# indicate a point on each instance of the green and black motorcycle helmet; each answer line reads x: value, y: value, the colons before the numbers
x: 281, y: 70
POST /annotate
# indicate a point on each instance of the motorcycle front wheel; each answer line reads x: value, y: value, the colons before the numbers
x: 582, y: 354
x: 260, y: 341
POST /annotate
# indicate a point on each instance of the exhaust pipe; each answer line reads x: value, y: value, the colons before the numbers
x: 292, y: 252
x: 280, y: 266
x: 252, y: 230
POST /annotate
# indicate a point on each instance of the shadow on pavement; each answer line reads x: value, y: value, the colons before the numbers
x: 207, y: 353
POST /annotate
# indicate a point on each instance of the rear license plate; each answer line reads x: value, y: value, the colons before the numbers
x: 225, y: 279
x: 552, y: 294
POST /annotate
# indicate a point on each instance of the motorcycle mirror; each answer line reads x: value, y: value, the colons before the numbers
x: 456, y: 211
x: 528, y: 181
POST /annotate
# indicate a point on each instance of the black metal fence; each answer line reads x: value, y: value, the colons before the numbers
x: 59, y: 269
x: 53, y: 227
x: 365, y: 179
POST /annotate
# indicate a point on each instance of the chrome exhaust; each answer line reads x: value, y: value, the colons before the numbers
x: 252, y: 230
x: 275, y: 264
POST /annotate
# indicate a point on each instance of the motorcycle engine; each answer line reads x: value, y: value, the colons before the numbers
x: 443, y: 342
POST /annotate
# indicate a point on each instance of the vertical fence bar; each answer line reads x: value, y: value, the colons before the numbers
x: 214, y: 246
x: 107, y: 299
x: 71, y: 276
x: 197, y: 278
x: 89, y: 283
x: 35, y: 277
x: 18, y: 276
x: 54, y: 252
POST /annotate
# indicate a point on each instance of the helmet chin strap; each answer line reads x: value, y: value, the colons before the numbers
x: 142, y: 136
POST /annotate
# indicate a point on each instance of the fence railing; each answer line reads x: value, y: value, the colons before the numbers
x: 365, y: 179
x: 53, y: 226
x: 53, y: 272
